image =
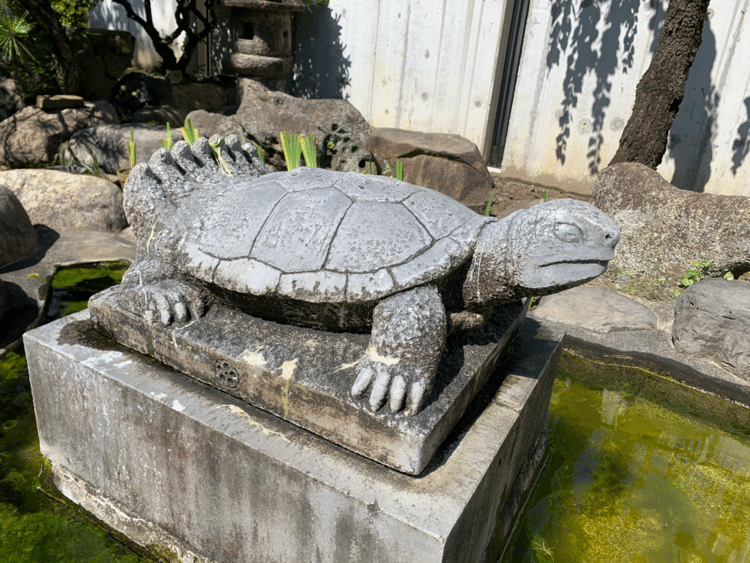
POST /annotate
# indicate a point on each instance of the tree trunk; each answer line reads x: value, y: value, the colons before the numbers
x: 46, y: 18
x: 662, y: 87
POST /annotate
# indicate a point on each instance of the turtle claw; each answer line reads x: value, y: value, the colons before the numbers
x: 384, y: 385
x: 168, y: 301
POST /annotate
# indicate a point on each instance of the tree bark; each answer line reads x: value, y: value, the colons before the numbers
x: 46, y: 18
x: 662, y: 87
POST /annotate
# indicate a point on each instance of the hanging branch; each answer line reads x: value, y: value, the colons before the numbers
x: 186, y: 12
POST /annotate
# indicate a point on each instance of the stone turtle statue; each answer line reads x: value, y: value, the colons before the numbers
x: 344, y: 252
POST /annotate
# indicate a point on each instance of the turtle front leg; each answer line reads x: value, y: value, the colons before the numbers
x: 152, y: 288
x: 408, y: 335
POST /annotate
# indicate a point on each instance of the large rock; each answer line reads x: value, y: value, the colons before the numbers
x: 34, y: 135
x: 447, y: 163
x: 108, y: 144
x: 17, y: 235
x: 103, y: 57
x: 10, y: 98
x: 712, y: 319
x: 340, y: 129
x: 665, y: 229
x: 62, y: 200
x: 594, y: 309
x: 137, y: 89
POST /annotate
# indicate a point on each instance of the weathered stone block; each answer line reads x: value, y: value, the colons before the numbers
x: 712, y: 319
x: 166, y: 459
x: 304, y: 376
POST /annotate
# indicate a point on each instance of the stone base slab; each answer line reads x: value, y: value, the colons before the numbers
x: 304, y: 376
x: 161, y: 452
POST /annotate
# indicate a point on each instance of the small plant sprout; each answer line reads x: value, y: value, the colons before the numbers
x: 131, y: 149
x: 309, y: 151
x: 167, y: 143
x: 261, y: 153
x: 546, y: 196
x: 695, y: 274
x: 488, y: 209
x: 400, y: 170
x: 223, y: 164
x: 189, y: 132
x: 292, y: 150
x: 37, y: 276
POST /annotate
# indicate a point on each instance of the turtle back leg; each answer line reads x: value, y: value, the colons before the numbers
x: 153, y: 289
x: 408, y: 335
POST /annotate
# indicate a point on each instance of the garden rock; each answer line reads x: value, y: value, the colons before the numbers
x: 10, y: 100
x: 665, y: 229
x: 108, y: 144
x: 206, y: 95
x: 712, y: 319
x: 137, y: 89
x: 104, y: 56
x: 340, y: 129
x: 161, y: 115
x: 595, y: 309
x: 61, y: 200
x: 34, y: 135
x: 17, y: 235
x: 447, y: 163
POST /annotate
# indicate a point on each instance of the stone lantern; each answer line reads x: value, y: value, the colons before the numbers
x: 262, y: 41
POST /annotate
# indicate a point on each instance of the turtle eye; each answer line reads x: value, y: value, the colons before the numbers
x: 568, y: 232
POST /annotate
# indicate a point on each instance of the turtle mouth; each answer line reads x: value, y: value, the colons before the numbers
x: 574, y: 270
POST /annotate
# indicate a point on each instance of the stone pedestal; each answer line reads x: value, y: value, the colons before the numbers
x: 304, y: 376
x: 174, y: 463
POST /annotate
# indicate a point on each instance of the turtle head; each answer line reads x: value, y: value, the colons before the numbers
x: 547, y: 248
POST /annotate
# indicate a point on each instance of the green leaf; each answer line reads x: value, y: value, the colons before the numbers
x: 189, y: 132
x: 292, y: 150
x: 131, y: 149
x: 488, y: 209
x: 309, y: 151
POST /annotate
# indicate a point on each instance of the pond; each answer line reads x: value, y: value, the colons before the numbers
x: 641, y: 469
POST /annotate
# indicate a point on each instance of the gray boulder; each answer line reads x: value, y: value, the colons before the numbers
x: 62, y: 200
x: 34, y: 135
x: 10, y: 99
x: 447, y: 163
x: 594, y: 309
x: 17, y: 235
x: 712, y: 319
x: 340, y: 129
x: 139, y: 88
x: 108, y: 144
x: 665, y: 229
x: 104, y: 56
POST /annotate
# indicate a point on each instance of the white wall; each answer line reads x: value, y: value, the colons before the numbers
x: 108, y: 15
x: 580, y: 65
x: 421, y: 65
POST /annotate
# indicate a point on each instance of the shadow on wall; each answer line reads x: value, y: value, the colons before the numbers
x: 741, y: 145
x: 578, y: 42
x: 321, y: 70
x: 694, y: 127
x: 597, y: 38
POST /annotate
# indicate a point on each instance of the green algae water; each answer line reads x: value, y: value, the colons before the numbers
x: 642, y: 470
x: 33, y: 527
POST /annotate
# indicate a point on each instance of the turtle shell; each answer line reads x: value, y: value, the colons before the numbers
x: 323, y: 236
